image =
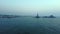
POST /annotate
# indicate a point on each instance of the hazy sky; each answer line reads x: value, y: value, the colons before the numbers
x: 30, y: 7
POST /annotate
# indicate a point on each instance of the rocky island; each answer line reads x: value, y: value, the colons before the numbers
x: 51, y: 16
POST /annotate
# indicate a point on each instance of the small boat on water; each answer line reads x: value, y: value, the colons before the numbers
x: 37, y: 16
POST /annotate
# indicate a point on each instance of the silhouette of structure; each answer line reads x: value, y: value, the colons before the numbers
x: 37, y: 16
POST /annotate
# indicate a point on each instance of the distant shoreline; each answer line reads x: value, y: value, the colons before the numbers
x: 8, y: 16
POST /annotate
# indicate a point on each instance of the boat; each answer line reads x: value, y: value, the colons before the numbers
x: 37, y: 16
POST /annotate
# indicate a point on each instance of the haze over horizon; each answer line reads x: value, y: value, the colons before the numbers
x: 30, y: 7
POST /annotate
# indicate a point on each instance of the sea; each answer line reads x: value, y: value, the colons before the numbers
x: 29, y: 25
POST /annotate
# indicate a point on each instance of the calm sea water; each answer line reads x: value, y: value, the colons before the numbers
x: 29, y: 25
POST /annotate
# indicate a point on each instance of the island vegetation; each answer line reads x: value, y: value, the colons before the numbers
x: 51, y: 16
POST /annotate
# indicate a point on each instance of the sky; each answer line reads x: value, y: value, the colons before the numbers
x: 30, y: 7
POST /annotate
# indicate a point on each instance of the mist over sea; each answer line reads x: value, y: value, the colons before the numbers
x: 29, y: 25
